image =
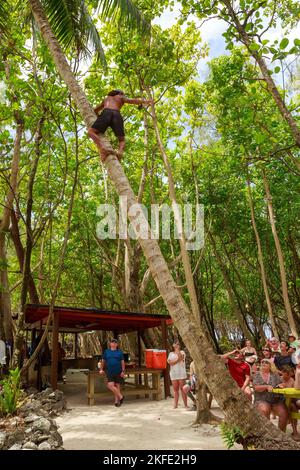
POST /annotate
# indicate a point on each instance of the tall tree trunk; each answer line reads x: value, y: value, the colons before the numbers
x: 6, y: 326
x: 182, y: 241
x: 26, y: 270
x: 258, y: 334
x: 242, y: 323
x: 284, y: 285
x: 15, y: 235
x: 261, y: 263
x: 284, y: 111
x: 238, y: 410
x: 203, y: 415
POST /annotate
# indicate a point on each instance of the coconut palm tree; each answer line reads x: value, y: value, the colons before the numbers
x: 72, y: 23
x: 258, y: 431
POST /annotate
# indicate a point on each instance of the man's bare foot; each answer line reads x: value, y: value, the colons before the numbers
x: 103, y: 155
x: 104, y: 152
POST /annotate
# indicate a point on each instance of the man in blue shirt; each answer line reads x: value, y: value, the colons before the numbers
x: 114, y: 366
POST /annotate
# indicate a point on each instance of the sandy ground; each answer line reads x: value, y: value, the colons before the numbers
x: 137, y: 424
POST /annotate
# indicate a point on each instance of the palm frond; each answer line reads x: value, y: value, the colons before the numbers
x: 4, y: 17
x: 62, y: 18
x: 90, y: 37
x: 74, y: 27
x: 124, y: 11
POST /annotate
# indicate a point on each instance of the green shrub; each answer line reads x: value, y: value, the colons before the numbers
x: 10, y: 392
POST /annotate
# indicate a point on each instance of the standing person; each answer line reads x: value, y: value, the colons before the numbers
x: 291, y: 338
x: 284, y: 358
x: 191, y: 388
x: 111, y: 117
x: 248, y: 350
x: 274, y: 345
x: 114, y: 366
x: 239, y: 371
x: 176, y: 359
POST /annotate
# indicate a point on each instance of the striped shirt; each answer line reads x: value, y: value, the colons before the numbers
x: 269, y: 397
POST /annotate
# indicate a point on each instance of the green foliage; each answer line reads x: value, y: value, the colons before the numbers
x: 10, y: 389
x: 231, y: 434
x: 124, y: 11
x: 225, y: 344
x: 216, y: 133
x: 4, y: 16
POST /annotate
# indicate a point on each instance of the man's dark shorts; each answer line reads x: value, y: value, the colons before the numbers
x: 115, y: 378
x: 110, y: 118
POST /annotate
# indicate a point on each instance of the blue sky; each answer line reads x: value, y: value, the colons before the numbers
x: 211, y: 33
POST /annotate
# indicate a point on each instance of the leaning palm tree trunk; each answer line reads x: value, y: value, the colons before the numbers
x: 258, y: 430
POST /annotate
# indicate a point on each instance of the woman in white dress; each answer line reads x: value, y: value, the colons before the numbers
x: 178, y: 376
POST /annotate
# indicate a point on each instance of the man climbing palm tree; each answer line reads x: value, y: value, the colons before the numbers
x: 111, y: 117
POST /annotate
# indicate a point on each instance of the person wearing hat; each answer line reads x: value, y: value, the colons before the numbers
x: 294, y: 343
x: 111, y: 117
x: 267, y: 354
x: 274, y: 345
x: 113, y: 365
x: 239, y: 370
x: 291, y: 338
x: 251, y: 361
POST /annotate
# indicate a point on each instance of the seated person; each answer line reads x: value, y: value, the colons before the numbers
x: 266, y: 402
x: 288, y: 382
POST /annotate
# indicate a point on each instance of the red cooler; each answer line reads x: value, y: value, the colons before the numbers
x: 149, y: 358
x: 159, y: 359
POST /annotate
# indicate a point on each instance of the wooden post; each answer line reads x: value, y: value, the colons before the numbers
x: 76, y: 345
x: 139, y: 348
x: 139, y: 353
x: 33, y: 337
x: 166, y: 371
x: 54, y: 351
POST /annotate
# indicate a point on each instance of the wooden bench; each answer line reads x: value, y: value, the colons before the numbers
x: 140, y: 387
